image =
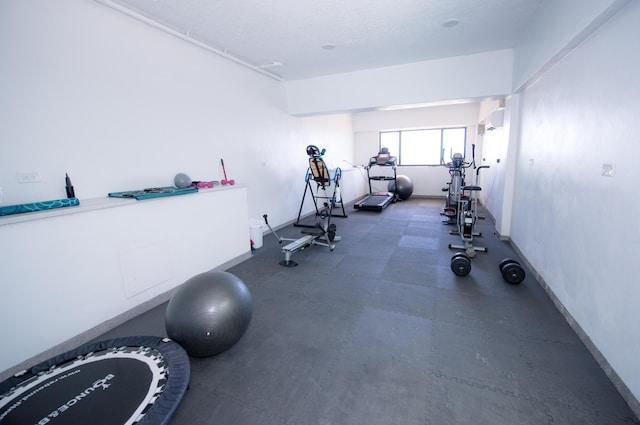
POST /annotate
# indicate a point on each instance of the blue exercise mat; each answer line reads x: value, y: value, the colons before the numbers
x: 38, y: 206
x: 155, y: 192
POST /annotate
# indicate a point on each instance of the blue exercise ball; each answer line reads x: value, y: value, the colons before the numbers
x: 182, y: 181
x: 402, y: 186
x: 209, y: 313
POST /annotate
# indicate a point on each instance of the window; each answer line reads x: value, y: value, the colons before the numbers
x: 424, y: 147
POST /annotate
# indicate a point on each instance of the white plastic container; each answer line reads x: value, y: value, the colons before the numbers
x: 255, y: 232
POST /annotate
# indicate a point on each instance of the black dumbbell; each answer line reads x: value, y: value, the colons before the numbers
x: 461, y: 264
x: 512, y: 271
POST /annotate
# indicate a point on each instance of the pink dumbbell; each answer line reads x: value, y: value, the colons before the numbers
x: 226, y: 181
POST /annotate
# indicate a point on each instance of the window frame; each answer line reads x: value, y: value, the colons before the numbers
x: 442, y: 153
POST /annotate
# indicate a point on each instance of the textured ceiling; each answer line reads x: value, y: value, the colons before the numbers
x: 286, y: 37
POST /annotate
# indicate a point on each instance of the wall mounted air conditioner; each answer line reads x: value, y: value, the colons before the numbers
x: 494, y: 120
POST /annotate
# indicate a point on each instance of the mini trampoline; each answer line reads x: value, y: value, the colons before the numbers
x: 131, y: 380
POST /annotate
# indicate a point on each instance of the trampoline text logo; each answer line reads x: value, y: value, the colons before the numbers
x: 100, y: 384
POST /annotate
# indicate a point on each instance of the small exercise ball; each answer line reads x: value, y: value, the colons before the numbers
x: 404, y: 187
x: 181, y: 181
x: 209, y: 313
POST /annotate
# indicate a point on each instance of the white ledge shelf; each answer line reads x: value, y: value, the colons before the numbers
x: 93, y: 204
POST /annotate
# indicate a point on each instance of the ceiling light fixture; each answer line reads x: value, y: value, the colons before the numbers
x: 450, y: 23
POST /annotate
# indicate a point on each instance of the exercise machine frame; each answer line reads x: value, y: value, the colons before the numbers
x: 377, y: 201
x: 319, y: 173
x: 323, y: 232
x: 457, y: 170
x: 467, y: 216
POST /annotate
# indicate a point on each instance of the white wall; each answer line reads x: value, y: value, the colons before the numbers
x: 499, y: 149
x: 467, y: 77
x: 81, y: 267
x: 427, y: 181
x: 494, y: 147
x: 557, y: 28
x: 120, y: 105
x: 583, y: 238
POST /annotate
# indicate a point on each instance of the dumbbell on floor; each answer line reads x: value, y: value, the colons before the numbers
x: 512, y: 271
x: 461, y: 264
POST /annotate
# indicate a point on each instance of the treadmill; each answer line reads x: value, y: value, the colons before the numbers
x: 377, y: 201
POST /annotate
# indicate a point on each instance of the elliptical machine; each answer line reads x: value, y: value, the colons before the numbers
x: 457, y: 168
x: 466, y: 220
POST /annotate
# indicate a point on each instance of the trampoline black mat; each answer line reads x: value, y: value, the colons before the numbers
x: 132, y: 380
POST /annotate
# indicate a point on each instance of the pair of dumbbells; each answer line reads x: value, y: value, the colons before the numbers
x: 204, y: 185
x: 511, y: 270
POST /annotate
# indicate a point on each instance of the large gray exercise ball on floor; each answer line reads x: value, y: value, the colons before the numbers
x: 209, y: 313
x: 404, y: 185
x: 182, y: 181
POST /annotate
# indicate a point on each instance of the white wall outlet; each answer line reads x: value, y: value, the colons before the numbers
x: 531, y: 162
x: 607, y: 170
x: 28, y: 177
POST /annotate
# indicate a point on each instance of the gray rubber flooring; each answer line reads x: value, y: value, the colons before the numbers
x: 380, y: 331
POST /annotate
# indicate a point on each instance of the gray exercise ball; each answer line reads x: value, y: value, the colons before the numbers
x: 404, y: 187
x: 209, y: 313
x: 182, y: 181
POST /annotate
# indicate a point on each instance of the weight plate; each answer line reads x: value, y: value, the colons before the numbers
x: 513, y: 273
x: 460, y: 254
x: 506, y: 261
x: 461, y: 266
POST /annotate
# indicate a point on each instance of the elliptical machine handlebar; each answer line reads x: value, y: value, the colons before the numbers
x: 478, y: 171
x: 458, y: 162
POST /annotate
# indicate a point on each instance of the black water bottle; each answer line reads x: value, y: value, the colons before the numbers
x: 70, y: 192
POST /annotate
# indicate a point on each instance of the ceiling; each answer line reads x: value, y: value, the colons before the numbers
x: 298, y: 39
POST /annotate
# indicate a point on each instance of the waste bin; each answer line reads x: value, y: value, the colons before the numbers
x: 255, y: 232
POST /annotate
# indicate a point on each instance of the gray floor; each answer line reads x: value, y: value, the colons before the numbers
x: 380, y: 331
